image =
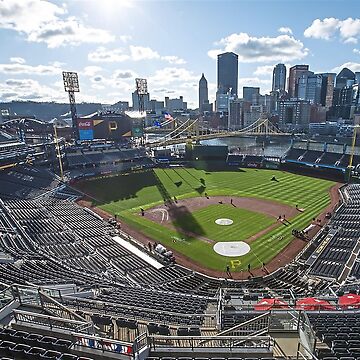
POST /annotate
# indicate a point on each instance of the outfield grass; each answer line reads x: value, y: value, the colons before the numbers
x: 246, y: 223
x: 124, y: 195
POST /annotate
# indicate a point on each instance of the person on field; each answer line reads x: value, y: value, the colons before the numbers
x: 228, y: 270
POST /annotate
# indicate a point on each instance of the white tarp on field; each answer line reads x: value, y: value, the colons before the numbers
x: 136, y: 251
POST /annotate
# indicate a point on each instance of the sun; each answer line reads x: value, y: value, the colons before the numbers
x: 116, y: 4
x: 111, y: 9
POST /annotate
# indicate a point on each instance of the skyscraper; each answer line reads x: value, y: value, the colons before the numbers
x: 279, y: 78
x: 327, y: 89
x: 294, y: 74
x: 357, y: 77
x: 310, y: 87
x: 251, y: 94
x: 227, y: 74
x: 345, y: 78
x: 203, y: 92
x: 135, y: 101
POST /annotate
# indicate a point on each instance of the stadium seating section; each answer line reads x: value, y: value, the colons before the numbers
x: 320, y: 158
x: 48, y: 241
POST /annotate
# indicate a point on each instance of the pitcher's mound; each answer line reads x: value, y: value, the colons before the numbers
x: 223, y: 221
x: 231, y: 248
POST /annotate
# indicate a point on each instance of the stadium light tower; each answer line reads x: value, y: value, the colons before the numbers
x: 71, y: 86
x: 142, y: 91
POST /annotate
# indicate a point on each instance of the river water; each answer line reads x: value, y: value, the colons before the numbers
x: 242, y: 145
x: 248, y: 145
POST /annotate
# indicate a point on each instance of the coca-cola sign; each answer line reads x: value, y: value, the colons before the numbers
x: 85, y: 124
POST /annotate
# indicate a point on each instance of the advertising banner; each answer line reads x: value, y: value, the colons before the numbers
x: 86, y: 130
x: 137, y: 129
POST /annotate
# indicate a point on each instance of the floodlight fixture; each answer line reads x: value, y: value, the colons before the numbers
x: 141, y: 86
x: 71, y: 86
x: 71, y: 81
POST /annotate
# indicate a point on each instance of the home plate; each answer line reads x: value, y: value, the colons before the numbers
x: 223, y: 221
x: 231, y: 248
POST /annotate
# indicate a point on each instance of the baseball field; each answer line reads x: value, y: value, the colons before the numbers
x: 190, y: 210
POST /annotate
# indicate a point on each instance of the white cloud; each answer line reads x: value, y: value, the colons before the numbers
x: 134, y: 53
x: 57, y: 63
x: 356, y: 51
x: 26, y: 15
x: 265, y: 70
x: 124, y: 74
x: 91, y: 70
x: 173, y: 82
x: 322, y: 29
x: 214, y: 53
x: 353, y: 66
x: 142, y: 53
x: 21, y: 68
x: 122, y: 80
x: 170, y: 75
x: 348, y: 29
x: 351, y: 40
x: 69, y: 32
x: 28, y: 89
x: 45, y: 22
x: 125, y: 85
x: 101, y: 54
x: 263, y: 49
x: 285, y: 30
x: 125, y: 38
x: 98, y: 78
x: 173, y: 60
x: 17, y: 60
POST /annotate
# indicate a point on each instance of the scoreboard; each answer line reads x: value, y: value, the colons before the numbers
x: 109, y: 127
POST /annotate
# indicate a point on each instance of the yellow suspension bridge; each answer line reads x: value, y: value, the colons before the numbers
x: 191, y: 128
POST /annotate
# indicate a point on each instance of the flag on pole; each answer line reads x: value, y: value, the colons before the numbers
x: 168, y: 116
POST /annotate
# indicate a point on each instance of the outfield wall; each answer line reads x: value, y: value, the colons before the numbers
x: 318, y: 172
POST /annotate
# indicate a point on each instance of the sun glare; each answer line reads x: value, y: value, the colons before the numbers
x: 116, y: 3
x: 111, y: 8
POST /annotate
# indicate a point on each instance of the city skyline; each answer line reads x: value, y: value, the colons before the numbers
x: 111, y: 44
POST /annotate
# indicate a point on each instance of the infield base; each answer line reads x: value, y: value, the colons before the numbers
x: 224, y: 222
x: 231, y: 248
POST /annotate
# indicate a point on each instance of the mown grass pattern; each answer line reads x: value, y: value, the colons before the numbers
x: 124, y: 195
x: 245, y: 223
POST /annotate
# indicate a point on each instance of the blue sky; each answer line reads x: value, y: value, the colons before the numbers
x: 110, y: 42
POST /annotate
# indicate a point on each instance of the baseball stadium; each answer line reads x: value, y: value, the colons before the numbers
x: 186, y: 217
x: 113, y: 251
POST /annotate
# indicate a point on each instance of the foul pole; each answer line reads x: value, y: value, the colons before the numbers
x: 58, y: 154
